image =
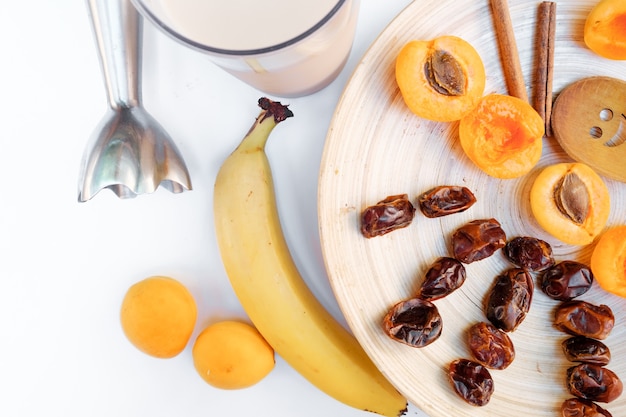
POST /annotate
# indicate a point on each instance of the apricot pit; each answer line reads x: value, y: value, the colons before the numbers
x: 570, y: 202
x: 440, y: 79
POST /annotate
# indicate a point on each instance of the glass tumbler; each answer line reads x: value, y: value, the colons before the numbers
x: 286, y: 48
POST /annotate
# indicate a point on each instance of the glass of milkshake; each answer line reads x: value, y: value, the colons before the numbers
x: 286, y: 48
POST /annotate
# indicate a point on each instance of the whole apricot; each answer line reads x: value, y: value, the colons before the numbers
x: 608, y: 261
x: 158, y: 315
x: 605, y: 29
x: 232, y: 355
x: 440, y: 79
x: 502, y: 135
x: 571, y: 202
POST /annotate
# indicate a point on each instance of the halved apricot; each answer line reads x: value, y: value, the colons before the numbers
x: 605, y: 29
x: 440, y: 79
x: 502, y: 135
x: 571, y: 202
x: 608, y: 261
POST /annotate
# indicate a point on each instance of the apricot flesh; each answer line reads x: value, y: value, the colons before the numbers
x: 571, y: 202
x: 502, y: 135
x: 232, y: 355
x: 605, y: 29
x: 158, y: 315
x: 608, y: 261
x: 440, y: 79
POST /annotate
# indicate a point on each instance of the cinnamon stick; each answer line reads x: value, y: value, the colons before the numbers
x: 508, y: 49
x: 544, y: 69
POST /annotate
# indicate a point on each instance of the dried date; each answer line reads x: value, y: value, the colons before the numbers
x: 445, y: 200
x: 577, y: 407
x: 471, y: 381
x: 491, y: 346
x: 529, y: 252
x: 509, y: 299
x: 586, y: 350
x: 593, y: 383
x: 477, y: 240
x: 394, y: 212
x: 443, y: 277
x: 580, y: 318
x: 566, y: 280
x: 414, y: 322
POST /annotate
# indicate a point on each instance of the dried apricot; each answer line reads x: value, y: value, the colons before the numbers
x: 571, y: 202
x: 440, y: 79
x: 608, y: 261
x: 605, y: 29
x: 502, y: 135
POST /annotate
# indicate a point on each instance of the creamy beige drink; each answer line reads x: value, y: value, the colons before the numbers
x: 283, y: 47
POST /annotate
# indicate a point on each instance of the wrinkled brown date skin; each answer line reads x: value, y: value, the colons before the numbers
x: 509, y: 299
x: 529, y: 252
x: 445, y: 200
x: 443, y: 277
x: 394, y: 212
x: 586, y: 350
x: 577, y: 407
x: 414, y: 322
x: 566, y: 280
x: 593, y: 383
x: 471, y: 381
x: 477, y: 240
x: 580, y: 318
x: 491, y: 346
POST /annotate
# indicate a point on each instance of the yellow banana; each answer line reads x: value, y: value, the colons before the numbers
x: 270, y: 288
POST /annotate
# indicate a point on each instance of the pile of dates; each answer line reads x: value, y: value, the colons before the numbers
x: 589, y: 381
x: 397, y: 211
x: 507, y: 304
x: 416, y: 321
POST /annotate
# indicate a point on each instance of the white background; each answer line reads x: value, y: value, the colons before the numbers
x: 65, y: 266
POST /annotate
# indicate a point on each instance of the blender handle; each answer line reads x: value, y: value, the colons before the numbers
x: 117, y: 28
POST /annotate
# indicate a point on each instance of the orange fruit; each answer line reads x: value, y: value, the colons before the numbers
x: 232, y: 355
x: 608, y: 261
x: 158, y: 315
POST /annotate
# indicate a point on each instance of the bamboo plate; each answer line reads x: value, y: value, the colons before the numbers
x: 375, y: 147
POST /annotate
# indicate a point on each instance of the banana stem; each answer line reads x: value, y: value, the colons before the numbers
x: 273, y: 112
